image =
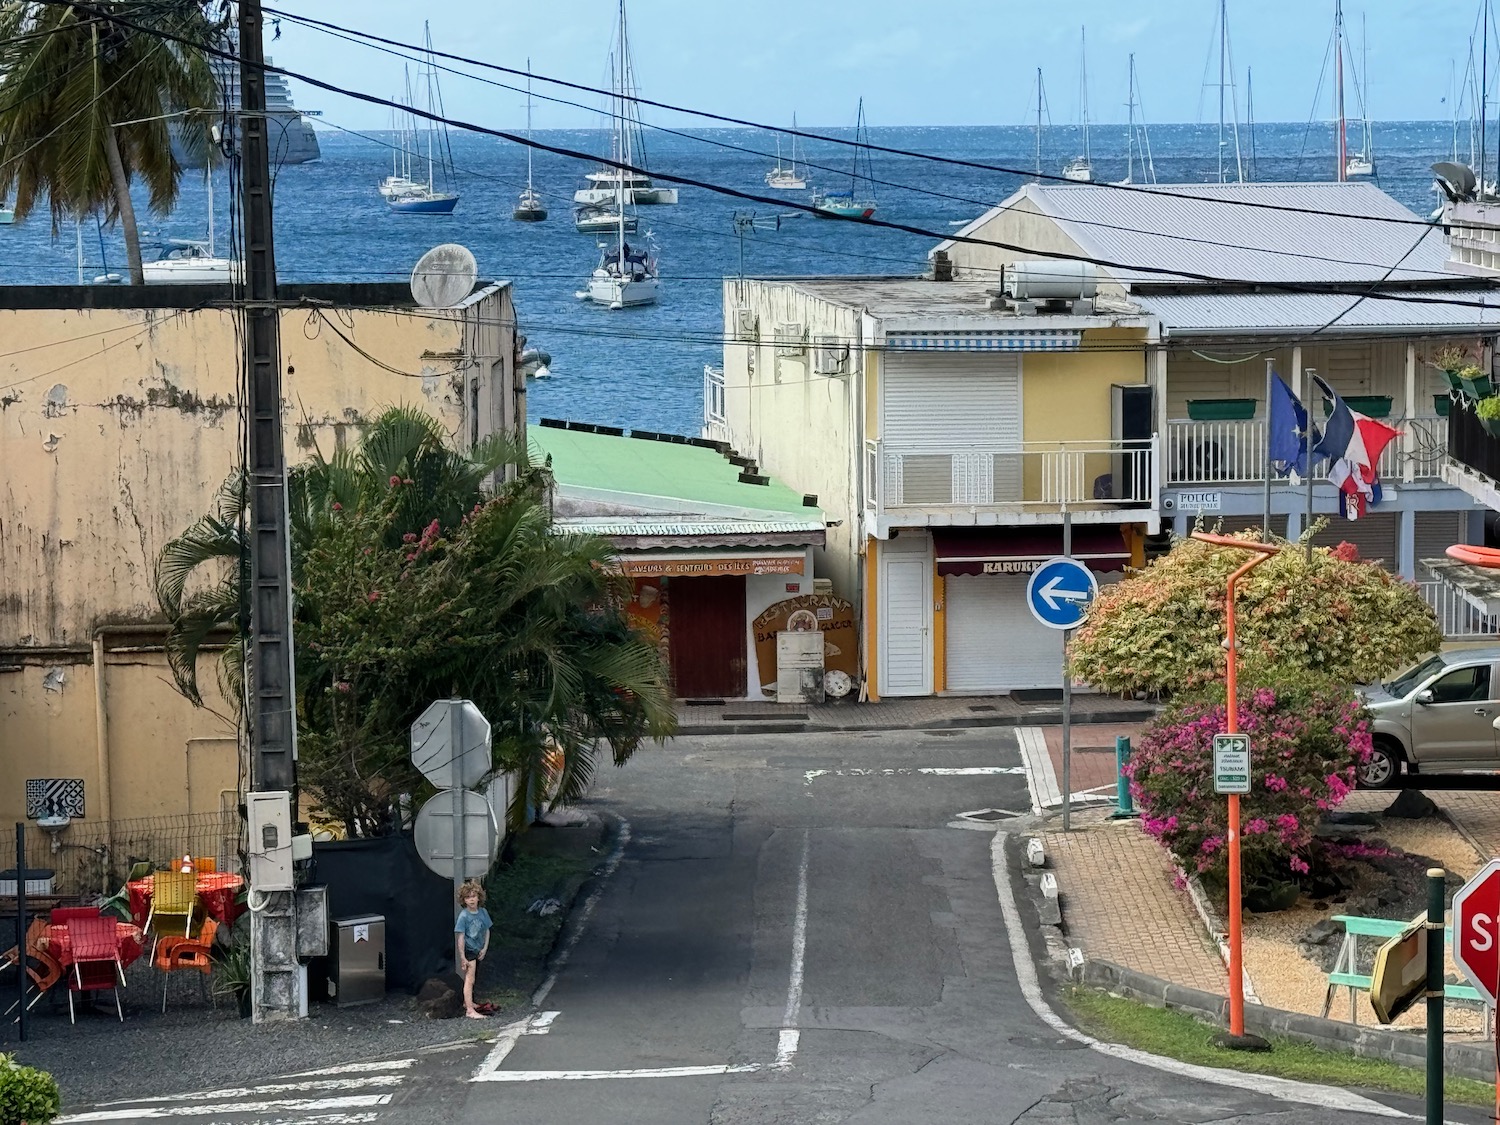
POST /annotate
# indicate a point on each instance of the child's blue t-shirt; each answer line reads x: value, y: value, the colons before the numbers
x: 473, y: 924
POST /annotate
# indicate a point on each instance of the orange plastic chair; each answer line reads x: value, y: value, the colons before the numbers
x: 174, y: 954
x: 174, y: 897
x: 206, y: 865
x: 43, y: 968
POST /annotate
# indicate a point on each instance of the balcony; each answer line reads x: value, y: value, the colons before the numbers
x: 1235, y: 452
x: 1473, y: 461
x: 1025, y: 482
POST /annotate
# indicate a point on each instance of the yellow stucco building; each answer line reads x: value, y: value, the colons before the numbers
x: 119, y: 417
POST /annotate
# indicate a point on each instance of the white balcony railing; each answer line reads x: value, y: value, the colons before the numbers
x: 1024, y: 476
x: 1457, y: 617
x: 1229, y: 452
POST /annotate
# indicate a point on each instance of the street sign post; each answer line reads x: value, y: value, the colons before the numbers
x: 1399, y: 978
x: 472, y: 835
x: 450, y: 745
x: 1059, y: 592
x: 1231, y: 763
x: 1476, y: 930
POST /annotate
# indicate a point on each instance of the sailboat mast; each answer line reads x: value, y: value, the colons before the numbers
x: 1250, y: 115
x: 1130, y: 124
x: 208, y: 179
x: 1223, y: 59
x: 624, y: 146
x: 1484, y: 95
x: 794, y: 145
x: 1342, y: 147
x: 1039, y: 123
x: 528, y: 125
x: 430, y: 71
x: 1083, y: 87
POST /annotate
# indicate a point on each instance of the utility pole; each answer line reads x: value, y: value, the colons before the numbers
x: 276, y: 990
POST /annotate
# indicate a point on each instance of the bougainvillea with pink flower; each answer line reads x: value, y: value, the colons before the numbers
x: 1306, y: 742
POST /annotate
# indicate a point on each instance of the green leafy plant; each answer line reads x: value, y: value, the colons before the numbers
x: 1488, y: 409
x: 27, y: 1096
x: 1331, y: 617
x: 231, y: 975
x: 1306, y: 743
x: 1452, y: 358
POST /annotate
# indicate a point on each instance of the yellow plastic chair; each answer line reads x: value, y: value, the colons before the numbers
x: 205, y: 865
x: 174, y: 897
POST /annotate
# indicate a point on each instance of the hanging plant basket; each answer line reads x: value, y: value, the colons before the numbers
x: 1221, y: 409
x: 1441, y: 404
x: 1477, y: 386
x: 1454, y: 382
x: 1491, y: 426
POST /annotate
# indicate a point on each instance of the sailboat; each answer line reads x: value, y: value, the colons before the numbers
x: 850, y: 204
x: 425, y: 198
x: 786, y: 179
x: 1137, y: 139
x: 1362, y: 163
x: 601, y: 186
x: 1226, y: 89
x: 625, y: 275
x: 1081, y: 168
x: 188, y: 261
x: 530, y: 208
x: 1041, y: 113
x: 399, y: 182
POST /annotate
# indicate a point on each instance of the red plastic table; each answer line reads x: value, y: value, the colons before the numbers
x: 128, y: 940
x: 217, y: 891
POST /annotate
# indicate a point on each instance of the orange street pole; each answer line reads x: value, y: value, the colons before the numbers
x: 1263, y: 551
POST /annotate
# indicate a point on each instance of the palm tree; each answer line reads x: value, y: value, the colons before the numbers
x: 84, y: 102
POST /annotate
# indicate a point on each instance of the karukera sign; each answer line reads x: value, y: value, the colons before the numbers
x: 831, y: 616
x: 688, y: 566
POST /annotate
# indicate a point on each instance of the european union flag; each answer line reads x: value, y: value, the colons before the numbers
x: 1288, y: 430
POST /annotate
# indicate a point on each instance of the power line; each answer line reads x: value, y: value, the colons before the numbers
x: 1025, y: 174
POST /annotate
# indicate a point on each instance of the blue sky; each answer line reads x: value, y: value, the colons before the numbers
x: 937, y: 62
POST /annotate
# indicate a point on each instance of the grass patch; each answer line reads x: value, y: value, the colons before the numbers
x: 1180, y: 1036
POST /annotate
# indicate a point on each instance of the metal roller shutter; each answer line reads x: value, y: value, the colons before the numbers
x: 993, y: 642
x: 1374, y: 535
x: 937, y: 403
x: 1437, y: 531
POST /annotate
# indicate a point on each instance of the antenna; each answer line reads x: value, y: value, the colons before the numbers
x: 444, y: 276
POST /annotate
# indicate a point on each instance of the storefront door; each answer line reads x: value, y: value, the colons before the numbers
x: 707, y: 630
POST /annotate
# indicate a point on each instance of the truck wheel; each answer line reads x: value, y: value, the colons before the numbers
x: 1381, y: 769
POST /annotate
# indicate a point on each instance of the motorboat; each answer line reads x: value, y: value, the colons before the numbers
x: 184, y: 261
x: 600, y: 218
x: 603, y: 185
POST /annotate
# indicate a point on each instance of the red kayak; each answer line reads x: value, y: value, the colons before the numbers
x: 1475, y: 556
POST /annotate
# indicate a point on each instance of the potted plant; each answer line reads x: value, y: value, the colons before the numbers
x: 1220, y: 409
x: 27, y: 1096
x: 1475, y: 383
x: 232, y: 970
x: 1487, y: 410
x: 1442, y: 404
x: 1450, y: 361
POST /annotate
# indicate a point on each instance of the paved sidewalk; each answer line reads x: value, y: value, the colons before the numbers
x: 748, y: 717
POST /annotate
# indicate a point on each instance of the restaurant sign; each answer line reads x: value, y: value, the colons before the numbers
x: 831, y: 616
x: 690, y: 566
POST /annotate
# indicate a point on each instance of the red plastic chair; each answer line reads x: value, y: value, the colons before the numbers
x: 62, y: 915
x: 96, y: 960
x: 174, y: 954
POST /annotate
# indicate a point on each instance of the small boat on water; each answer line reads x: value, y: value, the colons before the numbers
x: 7, y: 215
x: 404, y: 194
x: 184, y: 262
x: 1080, y: 170
x: 601, y: 187
x: 625, y: 276
x: 852, y: 204
x: 1362, y: 163
x: 786, y: 178
x: 530, y: 208
x: 601, y: 218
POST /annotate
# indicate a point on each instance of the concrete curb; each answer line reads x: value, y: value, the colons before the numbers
x: 1466, y: 1060
x: 1035, y: 718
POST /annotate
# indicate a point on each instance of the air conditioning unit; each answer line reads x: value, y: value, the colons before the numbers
x: 746, y: 324
x: 830, y: 356
x: 790, y: 339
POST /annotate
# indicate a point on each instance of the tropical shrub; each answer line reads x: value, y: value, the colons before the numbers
x: 26, y: 1094
x: 1329, y: 617
x: 1305, y: 743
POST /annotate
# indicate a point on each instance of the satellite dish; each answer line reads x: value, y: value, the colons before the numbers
x: 444, y: 276
x: 1458, y: 181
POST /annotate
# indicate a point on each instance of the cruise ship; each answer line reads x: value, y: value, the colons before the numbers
x: 293, y: 140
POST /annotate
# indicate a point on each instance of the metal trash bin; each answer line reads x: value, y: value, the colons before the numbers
x: 356, y: 972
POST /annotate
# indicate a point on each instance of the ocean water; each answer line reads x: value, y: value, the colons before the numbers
x: 643, y: 367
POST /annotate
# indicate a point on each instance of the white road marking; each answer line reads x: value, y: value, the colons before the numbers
x: 359, y: 1083
x: 506, y: 1040
x: 907, y: 771
x: 154, y: 1112
x: 539, y: 997
x: 360, y: 1067
x: 1283, y: 1088
x: 598, y: 1075
x: 1041, y: 779
x: 789, y: 1037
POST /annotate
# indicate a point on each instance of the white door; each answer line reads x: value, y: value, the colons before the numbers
x: 904, y: 626
x: 994, y: 643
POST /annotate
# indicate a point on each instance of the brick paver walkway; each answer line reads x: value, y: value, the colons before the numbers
x: 1119, y: 903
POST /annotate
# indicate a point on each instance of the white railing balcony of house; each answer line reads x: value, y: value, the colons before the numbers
x: 1231, y: 452
x: 715, y: 422
x: 1021, y: 477
x: 1456, y: 617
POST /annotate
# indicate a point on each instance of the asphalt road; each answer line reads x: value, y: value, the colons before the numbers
x: 795, y: 930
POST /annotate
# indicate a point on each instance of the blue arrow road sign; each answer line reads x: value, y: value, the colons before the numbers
x: 1060, y: 591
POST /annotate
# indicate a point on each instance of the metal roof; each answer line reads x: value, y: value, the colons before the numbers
x: 1441, y: 310
x: 1190, y: 227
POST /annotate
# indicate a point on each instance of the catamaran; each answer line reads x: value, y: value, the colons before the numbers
x: 852, y: 204
x: 530, y: 208
x: 786, y: 178
x: 612, y: 180
x: 625, y: 275
x: 425, y: 198
x: 1081, y: 168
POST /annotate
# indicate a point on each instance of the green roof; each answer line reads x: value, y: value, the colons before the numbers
x: 645, y: 467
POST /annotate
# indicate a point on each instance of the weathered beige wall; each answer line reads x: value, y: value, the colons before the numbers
x: 116, y: 427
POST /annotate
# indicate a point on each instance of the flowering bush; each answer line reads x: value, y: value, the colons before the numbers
x: 1305, y: 743
x: 1334, y: 617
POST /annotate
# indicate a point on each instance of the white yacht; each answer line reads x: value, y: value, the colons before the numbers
x: 1081, y: 168
x: 786, y: 178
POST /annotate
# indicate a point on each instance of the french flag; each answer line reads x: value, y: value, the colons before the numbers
x: 1353, y: 444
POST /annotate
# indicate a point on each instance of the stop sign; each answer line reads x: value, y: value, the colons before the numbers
x: 1476, y: 931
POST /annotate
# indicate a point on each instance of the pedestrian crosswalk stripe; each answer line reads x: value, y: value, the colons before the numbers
x: 157, y: 1112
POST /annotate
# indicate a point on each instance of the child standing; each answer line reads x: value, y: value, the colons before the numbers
x: 471, y: 940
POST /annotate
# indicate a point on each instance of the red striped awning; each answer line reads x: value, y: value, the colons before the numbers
x: 1020, y: 550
